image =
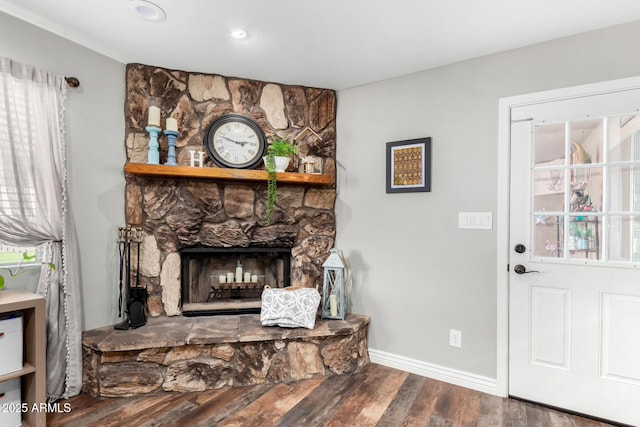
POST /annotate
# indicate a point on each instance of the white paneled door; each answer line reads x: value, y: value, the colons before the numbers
x: 574, y: 260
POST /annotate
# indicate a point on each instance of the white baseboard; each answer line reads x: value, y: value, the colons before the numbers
x: 440, y: 373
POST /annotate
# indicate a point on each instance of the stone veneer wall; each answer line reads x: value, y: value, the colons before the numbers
x: 178, y: 213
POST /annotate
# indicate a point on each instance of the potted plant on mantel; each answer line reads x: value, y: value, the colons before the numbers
x: 278, y: 156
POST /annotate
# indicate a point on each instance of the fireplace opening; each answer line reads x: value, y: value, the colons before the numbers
x: 230, y: 280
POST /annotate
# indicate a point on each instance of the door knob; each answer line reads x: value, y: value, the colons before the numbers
x: 520, y: 248
x: 521, y: 269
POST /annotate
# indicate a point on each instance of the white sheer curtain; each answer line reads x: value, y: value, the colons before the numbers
x: 34, y: 209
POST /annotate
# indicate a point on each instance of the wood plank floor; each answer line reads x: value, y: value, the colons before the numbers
x: 377, y: 396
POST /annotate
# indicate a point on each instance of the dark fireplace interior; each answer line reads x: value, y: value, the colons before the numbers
x: 230, y: 280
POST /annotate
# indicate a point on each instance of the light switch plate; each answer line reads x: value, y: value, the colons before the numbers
x: 475, y: 220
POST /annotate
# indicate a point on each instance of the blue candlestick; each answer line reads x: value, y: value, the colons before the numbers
x: 171, y: 136
x: 153, y: 157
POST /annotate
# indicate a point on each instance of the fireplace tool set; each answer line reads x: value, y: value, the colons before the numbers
x: 132, y: 299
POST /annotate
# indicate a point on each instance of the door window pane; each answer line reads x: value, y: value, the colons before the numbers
x: 623, y: 140
x: 548, y: 236
x: 585, y: 235
x: 549, y: 143
x: 587, y: 137
x: 586, y: 190
x: 548, y: 190
x: 623, y: 238
x: 624, y: 188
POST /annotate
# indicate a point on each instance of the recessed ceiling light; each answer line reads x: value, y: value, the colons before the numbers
x: 146, y: 10
x: 239, y: 34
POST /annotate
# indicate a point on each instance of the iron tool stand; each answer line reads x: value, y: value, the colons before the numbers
x: 132, y: 299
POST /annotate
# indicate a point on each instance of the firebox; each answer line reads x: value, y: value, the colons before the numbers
x: 230, y: 280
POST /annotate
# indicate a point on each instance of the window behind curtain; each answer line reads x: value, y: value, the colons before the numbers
x: 11, y: 199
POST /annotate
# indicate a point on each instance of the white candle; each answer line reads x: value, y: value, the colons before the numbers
x: 333, y: 305
x: 230, y: 277
x: 222, y: 278
x: 154, y: 116
x: 254, y: 278
x: 172, y: 124
x: 239, y: 274
x: 247, y: 277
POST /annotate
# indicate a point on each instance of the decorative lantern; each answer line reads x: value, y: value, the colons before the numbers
x: 334, y: 297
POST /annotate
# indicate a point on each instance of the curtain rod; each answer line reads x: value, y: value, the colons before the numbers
x: 72, y: 81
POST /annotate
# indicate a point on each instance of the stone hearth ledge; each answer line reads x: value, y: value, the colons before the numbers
x: 201, y: 353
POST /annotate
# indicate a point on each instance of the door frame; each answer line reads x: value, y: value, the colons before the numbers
x: 505, y: 105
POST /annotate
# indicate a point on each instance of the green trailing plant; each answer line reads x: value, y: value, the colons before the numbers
x: 272, y: 187
x: 27, y: 258
x: 280, y: 147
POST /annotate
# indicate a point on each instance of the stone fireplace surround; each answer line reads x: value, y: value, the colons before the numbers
x: 178, y: 353
x: 179, y: 213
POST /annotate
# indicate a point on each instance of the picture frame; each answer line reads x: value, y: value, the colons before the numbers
x: 409, y: 166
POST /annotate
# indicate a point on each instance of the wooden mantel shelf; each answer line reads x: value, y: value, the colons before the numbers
x: 143, y: 169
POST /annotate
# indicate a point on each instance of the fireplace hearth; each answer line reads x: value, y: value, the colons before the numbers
x: 217, y: 281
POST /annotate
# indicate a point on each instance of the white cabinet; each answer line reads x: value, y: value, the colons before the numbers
x: 32, y: 375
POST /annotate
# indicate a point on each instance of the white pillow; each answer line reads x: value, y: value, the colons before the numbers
x: 289, y: 308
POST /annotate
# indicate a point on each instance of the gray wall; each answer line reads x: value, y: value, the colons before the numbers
x: 415, y: 273
x: 95, y: 155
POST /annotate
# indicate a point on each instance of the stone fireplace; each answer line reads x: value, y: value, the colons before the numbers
x: 182, y: 216
x: 180, y: 213
x: 230, y: 280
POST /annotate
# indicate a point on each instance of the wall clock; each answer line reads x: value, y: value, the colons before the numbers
x: 235, y: 141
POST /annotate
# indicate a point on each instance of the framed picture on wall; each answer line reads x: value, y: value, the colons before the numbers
x: 409, y: 166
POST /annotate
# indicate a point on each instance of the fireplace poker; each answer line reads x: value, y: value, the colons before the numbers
x: 124, y: 235
x: 121, y: 239
x: 138, y: 238
x: 129, y: 235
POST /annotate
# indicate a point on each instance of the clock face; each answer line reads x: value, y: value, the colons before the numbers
x: 235, y: 141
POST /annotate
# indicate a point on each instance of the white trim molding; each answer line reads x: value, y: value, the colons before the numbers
x: 440, y: 373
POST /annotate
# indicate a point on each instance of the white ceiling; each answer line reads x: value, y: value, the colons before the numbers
x: 333, y: 44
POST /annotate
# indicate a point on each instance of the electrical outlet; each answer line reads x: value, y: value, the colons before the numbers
x: 455, y: 338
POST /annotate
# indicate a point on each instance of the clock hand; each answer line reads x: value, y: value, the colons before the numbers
x: 233, y: 140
